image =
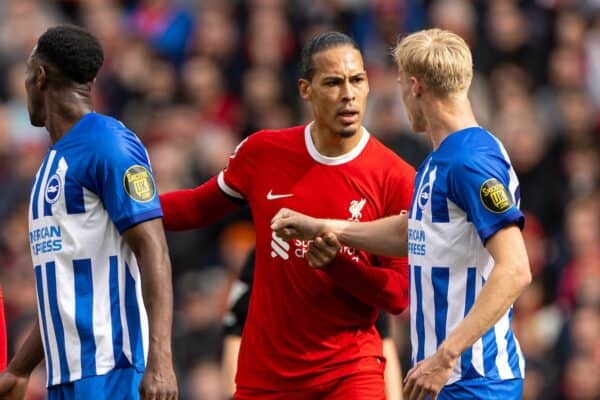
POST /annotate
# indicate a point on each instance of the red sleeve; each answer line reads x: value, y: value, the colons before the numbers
x: 236, y: 179
x: 195, y: 208
x: 383, y: 287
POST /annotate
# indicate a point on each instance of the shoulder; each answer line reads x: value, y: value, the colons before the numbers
x: 269, y: 139
x: 278, y: 135
x: 113, y: 140
x: 476, y: 148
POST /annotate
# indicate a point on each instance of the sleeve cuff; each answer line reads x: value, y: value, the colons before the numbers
x: 228, y: 190
x: 129, y: 222
x: 513, y: 217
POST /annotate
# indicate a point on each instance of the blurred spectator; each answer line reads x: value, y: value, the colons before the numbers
x: 166, y: 26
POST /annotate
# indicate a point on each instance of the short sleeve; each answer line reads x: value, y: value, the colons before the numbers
x: 479, y: 184
x: 125, y: 182
x: 234, y: 180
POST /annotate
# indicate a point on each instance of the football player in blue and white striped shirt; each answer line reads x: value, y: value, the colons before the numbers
x: 100, y: 258
x: 468, y: 262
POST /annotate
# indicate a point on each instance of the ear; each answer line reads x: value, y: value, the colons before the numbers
x: 415, y: 87
x: 305, y: 89
x: 41, y: 77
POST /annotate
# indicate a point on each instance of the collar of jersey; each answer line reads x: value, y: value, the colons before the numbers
x: 74, y: 129
x: 338, y: 160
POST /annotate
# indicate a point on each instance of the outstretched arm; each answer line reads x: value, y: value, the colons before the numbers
x: 386, y: 236
x: 511, y: 274
x: 13, y: 381
x: 147, y: 240
x: 196, y: 208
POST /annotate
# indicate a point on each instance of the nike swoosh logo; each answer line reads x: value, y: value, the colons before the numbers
x: 271, y: 196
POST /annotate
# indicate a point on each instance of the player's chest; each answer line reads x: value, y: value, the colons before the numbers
x: 319, y: 191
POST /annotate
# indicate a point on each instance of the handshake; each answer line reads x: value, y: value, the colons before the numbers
x: 324, y: 244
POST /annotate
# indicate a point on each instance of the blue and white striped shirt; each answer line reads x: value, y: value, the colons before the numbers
x: 465, y: 191
x: 94, y: 183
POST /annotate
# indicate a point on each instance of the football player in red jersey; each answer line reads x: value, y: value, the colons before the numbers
x: 309, y: 333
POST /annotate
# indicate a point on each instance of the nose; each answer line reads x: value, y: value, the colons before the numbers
x: 348, y: 91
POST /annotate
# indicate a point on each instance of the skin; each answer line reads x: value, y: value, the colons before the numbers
x: 438, y: 116
x: 58, y: 103
x: 337, y: 94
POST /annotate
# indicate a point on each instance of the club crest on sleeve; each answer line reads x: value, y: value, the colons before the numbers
x: 495, y: 196
x: 139, y: 184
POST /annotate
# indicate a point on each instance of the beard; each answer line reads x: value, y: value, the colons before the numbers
x: 348, y: 132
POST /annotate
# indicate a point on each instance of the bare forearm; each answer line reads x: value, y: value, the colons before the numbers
x: 385, y: 237
x: 147, y: 240
x: 158, y: 299
x: 29, y: 355
x: 501, y: 290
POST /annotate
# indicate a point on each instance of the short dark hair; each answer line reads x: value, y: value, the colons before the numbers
x: 320, y: 42
x: 75, y: 52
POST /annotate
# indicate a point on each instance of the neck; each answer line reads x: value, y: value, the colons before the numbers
x: 331, y: 144
x: 445, y: 116
x: 64, y: 109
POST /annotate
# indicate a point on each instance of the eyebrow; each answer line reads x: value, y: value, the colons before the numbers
x: 339, y: 76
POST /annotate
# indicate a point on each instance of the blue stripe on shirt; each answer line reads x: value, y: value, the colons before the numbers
x: 115, y: 314
x: 36, y: 191
x: 133, y: 321
x: 490, y: 350
x: 511, y: 347
x: 467, y: 369
x: 420, y: 317
x: 84, y: 312
x: 440, y: 279
x: 59, y: 333
x: 40, y: 296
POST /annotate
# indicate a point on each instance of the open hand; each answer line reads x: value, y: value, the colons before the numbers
x: 429, y: 376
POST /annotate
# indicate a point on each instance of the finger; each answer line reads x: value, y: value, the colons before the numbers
x: 279, y: 222
x: 409, y: 373
x: 311, y: 260
x: 319, y: 244
x: 328, y: 251
x: 410, y: 383
x: 286, y: 233
x: 331, y: 239
x: 423, y: 392
x: 318, y: 259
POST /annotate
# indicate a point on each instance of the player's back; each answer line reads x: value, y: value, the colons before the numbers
x: 94, y: 183
x: 303, y: 328
x: 464, y: 192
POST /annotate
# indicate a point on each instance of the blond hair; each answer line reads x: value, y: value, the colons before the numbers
x: 440, y: 59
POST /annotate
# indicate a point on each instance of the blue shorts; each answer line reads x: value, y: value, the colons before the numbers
x: 483, y: 388
x: 118, y: 384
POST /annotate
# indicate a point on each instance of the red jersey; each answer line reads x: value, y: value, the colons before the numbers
x: 306, y: 326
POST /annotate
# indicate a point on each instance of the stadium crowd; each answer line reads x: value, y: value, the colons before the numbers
x: 194, y: 77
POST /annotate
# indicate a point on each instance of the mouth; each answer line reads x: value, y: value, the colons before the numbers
x: 348, y: 117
